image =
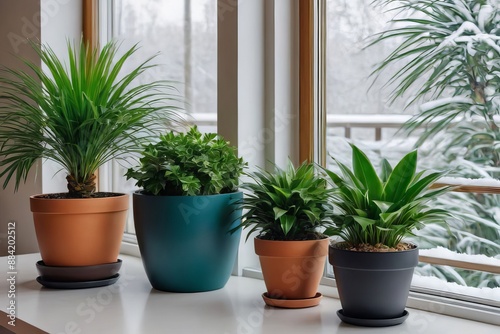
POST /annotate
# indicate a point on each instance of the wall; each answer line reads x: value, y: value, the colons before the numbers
x: 49, y: 21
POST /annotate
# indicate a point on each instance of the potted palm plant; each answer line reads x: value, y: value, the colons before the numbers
x: 79, y: 115
x: 188, y: 204
x: 373, y: 264
x: 289, y: 209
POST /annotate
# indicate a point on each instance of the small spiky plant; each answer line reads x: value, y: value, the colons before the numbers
x: 80, y: 115
x: 287, y: 204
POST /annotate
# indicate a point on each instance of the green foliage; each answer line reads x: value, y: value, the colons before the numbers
x: 80, y: 115
x: 287, y: 204
x: 188, y: 164
x: 382, y: 209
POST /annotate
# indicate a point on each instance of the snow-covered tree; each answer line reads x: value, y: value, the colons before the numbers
x: 449, y: 65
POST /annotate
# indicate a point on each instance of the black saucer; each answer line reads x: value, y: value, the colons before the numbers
x: 77, y: 285
x: 372, y: 322
x: 78, y: 273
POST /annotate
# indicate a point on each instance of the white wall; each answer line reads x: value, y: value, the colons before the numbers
x: 52, y: 22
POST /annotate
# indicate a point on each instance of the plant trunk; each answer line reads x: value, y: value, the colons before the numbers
x: 81, y: 189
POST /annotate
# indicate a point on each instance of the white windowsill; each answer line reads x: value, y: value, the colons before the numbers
x: 420, y: 298
x: 131, y: 306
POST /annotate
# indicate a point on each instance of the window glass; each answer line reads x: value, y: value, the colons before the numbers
x: 359, y: 110
x: 184, y: 35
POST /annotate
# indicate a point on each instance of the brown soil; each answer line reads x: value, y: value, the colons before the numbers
x: 66, y: 195
x: 402, y: 246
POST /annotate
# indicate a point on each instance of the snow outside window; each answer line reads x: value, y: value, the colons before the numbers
x: 360, y: 113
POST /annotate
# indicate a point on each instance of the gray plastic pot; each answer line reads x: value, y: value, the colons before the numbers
x: 373, y: 285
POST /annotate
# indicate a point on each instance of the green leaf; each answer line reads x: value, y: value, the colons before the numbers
x: 278, y: 212
x: 401, y: 177
x: 364, y: 222
x: 386, y: 170
x: 287, y: 222
x: 383, y: 206
x: 365, y: 173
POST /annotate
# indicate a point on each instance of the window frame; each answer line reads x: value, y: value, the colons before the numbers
x: 312, y: 132
x: 451, y: 298
x: 90, y: 24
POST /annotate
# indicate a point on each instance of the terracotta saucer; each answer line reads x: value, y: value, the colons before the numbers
x: 78, y: 274
x: 292, y: 303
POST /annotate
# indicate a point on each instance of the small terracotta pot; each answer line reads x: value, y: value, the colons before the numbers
x: 79, y: 231
x: 292, y: 269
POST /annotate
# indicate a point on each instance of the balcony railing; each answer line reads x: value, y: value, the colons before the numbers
x: 377, y: 123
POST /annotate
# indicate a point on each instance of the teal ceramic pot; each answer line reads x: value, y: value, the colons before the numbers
x: 184, y: 240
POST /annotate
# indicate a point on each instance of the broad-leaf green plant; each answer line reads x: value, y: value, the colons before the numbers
x: 80, y: 114
x: 382, y: 209
x: 188, y: 164
x: 287, y: 204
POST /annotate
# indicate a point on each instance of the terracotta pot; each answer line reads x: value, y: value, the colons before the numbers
x: 292, y: 269
x: 79, y: 232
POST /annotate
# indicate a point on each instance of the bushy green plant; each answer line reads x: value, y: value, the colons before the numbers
x: 188, y: 164
x: 382, y: 209
x: 80, y: 115
x: 287, y: 204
